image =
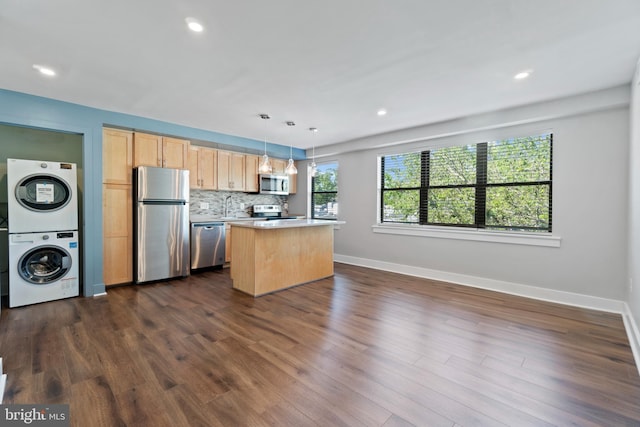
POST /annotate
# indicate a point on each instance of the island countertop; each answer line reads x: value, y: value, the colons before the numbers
x: 285, y: 223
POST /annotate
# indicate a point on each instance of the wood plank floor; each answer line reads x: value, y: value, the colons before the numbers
x: 364, y: 348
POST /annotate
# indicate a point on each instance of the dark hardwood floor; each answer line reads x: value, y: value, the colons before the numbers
x: 362, y: 348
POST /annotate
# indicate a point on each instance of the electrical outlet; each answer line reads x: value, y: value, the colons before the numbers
x: 204, y: 205
x: 241, y: 205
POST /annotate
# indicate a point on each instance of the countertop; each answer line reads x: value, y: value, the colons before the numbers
x: 207, y: 218
x: 286, y: 223
x: 211, y: 218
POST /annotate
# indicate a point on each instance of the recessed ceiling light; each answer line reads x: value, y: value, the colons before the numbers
x: 382, y: 112
x: 522, y: 75
x: 194, y: 25
x: 44, y: 70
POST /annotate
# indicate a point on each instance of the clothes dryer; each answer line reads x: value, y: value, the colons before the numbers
x: 43, y: 267
x: 41, y: 196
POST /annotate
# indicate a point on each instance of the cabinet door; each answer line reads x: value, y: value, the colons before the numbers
x: 278, y: 166
x: 175, y: 153
x: 207, y: 163
x: 117, y: 156
x: 147, y: 150
x: 251, y: 164
x: 227, y: 243
x: 224, y: 170
x: 293, y: 183
x: 194, y: 174
x: 118, y: 236
x: 237, y: 172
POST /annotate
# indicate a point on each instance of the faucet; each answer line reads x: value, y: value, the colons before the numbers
x: 226, y: 206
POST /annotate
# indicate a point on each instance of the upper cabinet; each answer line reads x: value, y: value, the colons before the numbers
x: 175, y: 153
x: 278, y: 166
x: 203, y: 165
x: 251, y: 163
x: 160, y: 151
x: 231, y: 169
x: 117, y: 159
x: 293, y: 183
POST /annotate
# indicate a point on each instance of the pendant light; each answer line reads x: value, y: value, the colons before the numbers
x: 291, y: 168
x: 313, y: 168
x: 265, y: 164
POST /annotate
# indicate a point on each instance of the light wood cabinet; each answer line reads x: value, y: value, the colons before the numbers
x: 117, y: 206
x: 227, y: 242
x: 251, y: 163
x: 278, y: 166
x: 175, y: 153
x: 117, y: 160
x: 160, y: 151
x: 267, y: 259
x: 231, y: 171
x: 117, y: 234
x: 203, y: 168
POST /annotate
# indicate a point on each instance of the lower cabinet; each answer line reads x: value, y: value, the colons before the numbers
x: 117, y: 234
x: 227, y: 242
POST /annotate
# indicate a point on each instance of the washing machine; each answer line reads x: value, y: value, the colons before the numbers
x: 43, y: 267
x: 41, y: 196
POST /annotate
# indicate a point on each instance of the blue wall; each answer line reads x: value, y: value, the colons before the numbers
x: 33, y: 111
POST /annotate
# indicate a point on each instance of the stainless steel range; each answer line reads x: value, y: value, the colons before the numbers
x: 270, y: 212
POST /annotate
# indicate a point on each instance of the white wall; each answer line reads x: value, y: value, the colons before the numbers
x: 590, y: 187
x: 634, y: 200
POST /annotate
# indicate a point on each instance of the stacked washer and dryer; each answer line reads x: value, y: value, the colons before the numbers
x: 43, y: 231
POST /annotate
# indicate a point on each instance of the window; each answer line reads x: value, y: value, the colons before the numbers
x: 324, y: 192
x: 500, y: 185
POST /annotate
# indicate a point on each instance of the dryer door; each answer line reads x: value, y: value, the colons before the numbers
x: 43, y: 193
x: 44, y: 265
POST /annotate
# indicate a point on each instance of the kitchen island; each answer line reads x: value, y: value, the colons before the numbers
x: 267, y: 256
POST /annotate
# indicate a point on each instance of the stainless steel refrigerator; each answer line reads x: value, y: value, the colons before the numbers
x: 161, y: 223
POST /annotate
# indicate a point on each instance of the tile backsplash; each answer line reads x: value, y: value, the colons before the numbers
x: 216, y: 199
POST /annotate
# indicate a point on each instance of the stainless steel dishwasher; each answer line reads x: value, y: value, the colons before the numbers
x: 207, y: 244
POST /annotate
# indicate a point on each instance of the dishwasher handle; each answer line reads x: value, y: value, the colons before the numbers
x: 207, y: 225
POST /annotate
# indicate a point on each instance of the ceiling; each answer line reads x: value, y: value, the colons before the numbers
x: 329, y: 64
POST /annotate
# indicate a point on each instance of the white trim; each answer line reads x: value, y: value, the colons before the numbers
x: 3, y: 382
x: 528, y: 291
x: 633, y: 333
x: 531, y: 239
x: 535, y: 292
x: 101, y: 294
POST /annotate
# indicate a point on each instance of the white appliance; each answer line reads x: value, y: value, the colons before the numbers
x: 41, y: 196
x: 43, y: 267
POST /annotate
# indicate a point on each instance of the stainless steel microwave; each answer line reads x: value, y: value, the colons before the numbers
x: 274, y: 184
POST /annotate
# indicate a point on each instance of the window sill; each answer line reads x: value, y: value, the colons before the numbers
x: 529, y: 239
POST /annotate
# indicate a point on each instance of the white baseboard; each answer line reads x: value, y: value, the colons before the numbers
x: 544, y: 294
x: 550, y: 295
x: 633, y: 333
x: 3, y: 382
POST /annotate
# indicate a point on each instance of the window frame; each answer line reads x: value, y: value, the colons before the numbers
x: 312, y: 193
x: 480, y: 191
